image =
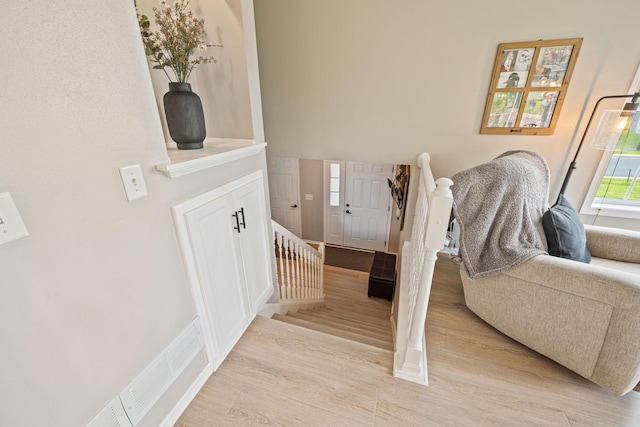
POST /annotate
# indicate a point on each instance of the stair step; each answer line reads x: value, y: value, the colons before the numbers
x: 369, y: 313
x: 356, y: 322
x: 381, y: 335
x: 335, y: 331
x: 361, y: 323
x: 377, y: 320
x: 266, y: 328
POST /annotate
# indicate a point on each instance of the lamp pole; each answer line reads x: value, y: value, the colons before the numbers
x: 572, y: 166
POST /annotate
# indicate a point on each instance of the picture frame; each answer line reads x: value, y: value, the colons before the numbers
x: 528, y: 86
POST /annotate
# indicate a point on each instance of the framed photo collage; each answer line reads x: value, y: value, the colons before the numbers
x: 529, y: 82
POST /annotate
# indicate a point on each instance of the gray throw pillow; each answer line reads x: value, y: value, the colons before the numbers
x: 565, y: 233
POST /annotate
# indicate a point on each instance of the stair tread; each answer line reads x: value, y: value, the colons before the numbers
x: 335, y: 331
x: 358, y: 329
x: 356, y: 321
x: 269, y: 326
x: 370, y: 315
x: 359, y: 317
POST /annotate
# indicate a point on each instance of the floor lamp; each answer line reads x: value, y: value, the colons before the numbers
x: 612, y: 124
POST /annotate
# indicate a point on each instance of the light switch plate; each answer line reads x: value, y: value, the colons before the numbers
x: 308, y: 196
x: 133, y: 181
x: 11, y: 225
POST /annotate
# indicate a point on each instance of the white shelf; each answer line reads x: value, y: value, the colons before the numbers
x: 216, y: 151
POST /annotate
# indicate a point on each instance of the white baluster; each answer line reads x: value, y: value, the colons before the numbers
x: 310, y: 268
x: 288, y: 266
x: 321, y: 271
x: 298, y: 273
x: 281, y: 275
x: 305, y: 275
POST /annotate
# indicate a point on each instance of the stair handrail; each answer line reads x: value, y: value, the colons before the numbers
x: 299, y: 266
x: 418, y: 257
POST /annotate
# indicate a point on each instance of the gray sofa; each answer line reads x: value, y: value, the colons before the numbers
x: 584, y: 316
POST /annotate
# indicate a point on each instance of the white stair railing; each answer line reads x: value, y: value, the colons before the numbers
x: 418, y: 257
x: 299, y: 267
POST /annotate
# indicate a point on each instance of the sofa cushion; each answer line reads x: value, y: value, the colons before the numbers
x: 565, y: 233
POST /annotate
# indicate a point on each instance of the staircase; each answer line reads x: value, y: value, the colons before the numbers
x: 347, y: 312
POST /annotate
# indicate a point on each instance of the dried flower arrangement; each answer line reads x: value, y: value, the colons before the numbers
x: 176, y: 41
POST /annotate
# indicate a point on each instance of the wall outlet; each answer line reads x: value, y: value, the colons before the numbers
x: 133, y: 181
x: 11, y: 225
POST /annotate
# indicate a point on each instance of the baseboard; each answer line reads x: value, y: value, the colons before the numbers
x: 188, y: 397
x: 419, y: 378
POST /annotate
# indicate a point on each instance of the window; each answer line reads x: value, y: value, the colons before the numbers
x: 334, y: 184
x: 615, y: 190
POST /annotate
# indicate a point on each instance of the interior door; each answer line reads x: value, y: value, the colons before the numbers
x: 284, y: 192
x: 367, y: 205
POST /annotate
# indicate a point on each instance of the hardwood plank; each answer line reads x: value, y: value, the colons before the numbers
x: 281, y: 374
x: 338, y: 332
x: 383, y: 334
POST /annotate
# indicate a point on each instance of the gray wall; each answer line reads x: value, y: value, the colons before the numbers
x: 382, y: 80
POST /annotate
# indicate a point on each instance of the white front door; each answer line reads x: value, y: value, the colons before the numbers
x: 367, y: 205
x: 284, y: 193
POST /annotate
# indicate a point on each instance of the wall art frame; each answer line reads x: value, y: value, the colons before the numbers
x: 528, y: 86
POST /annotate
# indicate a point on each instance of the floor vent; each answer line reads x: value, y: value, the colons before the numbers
x: 139, y: 396
x: 111, y: 416
x: 143, y: 392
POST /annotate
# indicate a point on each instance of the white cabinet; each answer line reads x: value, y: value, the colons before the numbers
x: 255, y: 242
x: 225, y: 237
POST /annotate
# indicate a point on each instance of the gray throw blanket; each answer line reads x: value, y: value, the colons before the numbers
x: 499, y: 206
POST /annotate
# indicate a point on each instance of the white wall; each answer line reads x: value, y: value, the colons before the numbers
x: 383, y: 80
x: 98, y: 289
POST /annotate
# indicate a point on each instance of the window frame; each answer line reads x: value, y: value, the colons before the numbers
x: 589, y: 206
x: 528, y: 89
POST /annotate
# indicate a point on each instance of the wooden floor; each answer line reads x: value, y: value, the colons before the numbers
x: 284, y: 375
x: 348, y: 312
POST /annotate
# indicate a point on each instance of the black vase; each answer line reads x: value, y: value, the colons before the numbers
x: 185, y: 118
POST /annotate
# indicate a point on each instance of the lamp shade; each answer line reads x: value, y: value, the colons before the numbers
x: 612, y: 124
x: 609, y: 130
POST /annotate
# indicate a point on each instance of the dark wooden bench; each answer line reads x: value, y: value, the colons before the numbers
x: 382, y: 277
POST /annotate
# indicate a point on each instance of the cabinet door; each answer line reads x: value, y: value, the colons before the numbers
x: 256, y: 244
x: 218, y: 262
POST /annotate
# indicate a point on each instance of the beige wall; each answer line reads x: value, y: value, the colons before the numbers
x: 382, y: 80
x: 222, y: 86
x: 98, y: 289
x: 312, y: 211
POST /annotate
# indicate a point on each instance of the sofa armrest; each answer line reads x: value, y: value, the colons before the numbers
x: 613, y: 243
x: 616, y: 288
x: 583, y: 316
